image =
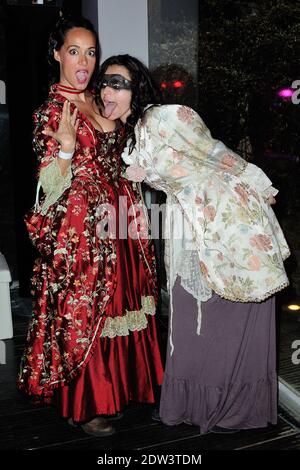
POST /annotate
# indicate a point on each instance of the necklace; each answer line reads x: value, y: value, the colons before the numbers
x: 68, y: 89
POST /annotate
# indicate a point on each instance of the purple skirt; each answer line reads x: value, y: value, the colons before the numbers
x: 226, y: 376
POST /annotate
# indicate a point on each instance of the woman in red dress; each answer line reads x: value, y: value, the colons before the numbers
x: 92, y: 342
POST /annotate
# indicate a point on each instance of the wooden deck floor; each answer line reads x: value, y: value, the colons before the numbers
x: 29, y: 427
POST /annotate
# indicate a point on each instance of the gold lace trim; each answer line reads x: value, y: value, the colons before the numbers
x: 251, y: 299
x: 134, y: 320
x: 53, y: 184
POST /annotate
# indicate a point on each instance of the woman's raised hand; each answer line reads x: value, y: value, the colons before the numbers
x: 66, y: 132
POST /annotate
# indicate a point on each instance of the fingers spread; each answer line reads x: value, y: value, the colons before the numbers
x: 74, y: 116
x: 48, y: 132
x: 65, y: 111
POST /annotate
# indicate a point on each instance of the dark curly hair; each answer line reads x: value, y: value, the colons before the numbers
x: 57, y: 39
x: 144, y: 91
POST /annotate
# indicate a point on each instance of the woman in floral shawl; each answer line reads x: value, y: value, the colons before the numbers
x: 224, y: 258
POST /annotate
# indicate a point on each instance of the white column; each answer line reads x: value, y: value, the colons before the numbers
x: 123, y: 28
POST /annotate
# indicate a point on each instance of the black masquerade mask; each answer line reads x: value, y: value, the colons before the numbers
x: 115, y: 81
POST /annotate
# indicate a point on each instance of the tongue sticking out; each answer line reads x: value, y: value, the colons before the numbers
x: 81, y: 76
x: 109, y: 109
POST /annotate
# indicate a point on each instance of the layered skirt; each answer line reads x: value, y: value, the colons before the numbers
x: 225, y: 376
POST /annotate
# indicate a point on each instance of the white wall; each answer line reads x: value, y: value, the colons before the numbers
x: 123, y: 28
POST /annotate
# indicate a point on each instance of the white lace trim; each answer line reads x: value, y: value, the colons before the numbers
x: 184, y: 263
x: 259, y: 180
x: 134, y: 320
x: 53, y: 184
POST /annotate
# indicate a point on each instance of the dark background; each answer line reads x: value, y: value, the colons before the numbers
x: 248, y: 50
x: 24, y: 31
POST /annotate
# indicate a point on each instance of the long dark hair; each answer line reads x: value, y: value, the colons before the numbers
x: 144, y: 91
x: 57, y: 39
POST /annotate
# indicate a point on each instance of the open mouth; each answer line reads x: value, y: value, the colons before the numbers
x: 109, y: 107
x: 82, y: 76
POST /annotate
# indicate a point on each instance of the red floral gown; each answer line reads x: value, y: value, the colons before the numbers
x: 92, y: 343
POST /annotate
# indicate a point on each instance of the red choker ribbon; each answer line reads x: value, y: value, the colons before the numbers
x: 68, y: 89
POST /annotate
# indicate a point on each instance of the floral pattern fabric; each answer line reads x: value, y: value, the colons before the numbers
x: 227, y: 220
x: 75, y: 277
